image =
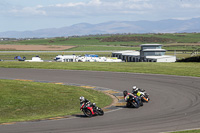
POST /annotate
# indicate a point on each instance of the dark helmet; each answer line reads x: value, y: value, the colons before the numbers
x: 125, y: 92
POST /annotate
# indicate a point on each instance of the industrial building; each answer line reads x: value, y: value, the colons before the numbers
x: 148, y: 53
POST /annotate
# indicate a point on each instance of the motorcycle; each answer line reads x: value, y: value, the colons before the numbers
x: 144, y: 96
x: 90, y: 110
x: 133, y: 102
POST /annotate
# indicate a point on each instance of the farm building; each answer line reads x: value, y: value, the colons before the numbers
x: 148, y: 53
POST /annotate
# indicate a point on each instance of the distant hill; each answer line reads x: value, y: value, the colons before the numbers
x: 112, y: 27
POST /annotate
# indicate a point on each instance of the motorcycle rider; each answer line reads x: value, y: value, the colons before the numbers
x: 128, y: 96
x: 86, y: 101
x: 136, y: 91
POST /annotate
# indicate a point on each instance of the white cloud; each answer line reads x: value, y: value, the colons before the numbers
x: 69, y: 4
x: 78, y: 4
x: 130, y: 4
x: 186, y: 18
x: 96, y: 11
x: 189, y: 5
x: 95, y: 2
x: 142, y: 6
x: 28, y: 11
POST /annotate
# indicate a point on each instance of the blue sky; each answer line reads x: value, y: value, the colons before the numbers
x: 23, y: 15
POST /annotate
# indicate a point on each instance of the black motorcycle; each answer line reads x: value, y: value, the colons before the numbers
x: 134, y: 102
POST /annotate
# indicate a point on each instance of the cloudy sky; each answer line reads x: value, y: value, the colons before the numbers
x: 22, y: 15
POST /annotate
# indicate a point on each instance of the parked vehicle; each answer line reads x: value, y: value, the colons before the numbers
x: 90, y: 110
x: 19, y: 58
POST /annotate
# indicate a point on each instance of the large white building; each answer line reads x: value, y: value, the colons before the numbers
x: 148, y: 53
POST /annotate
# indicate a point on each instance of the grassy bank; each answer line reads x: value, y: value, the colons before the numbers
x: 23, y: 100
x: 188, y: 131
x: 181, y: 69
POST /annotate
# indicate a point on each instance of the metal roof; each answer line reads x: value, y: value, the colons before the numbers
x: 156, y: 50
x: 151, y: 45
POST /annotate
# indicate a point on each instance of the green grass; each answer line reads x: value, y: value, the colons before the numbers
x: 181, y: 69
x: 186, y: 47
x: 96, y: 40
x: 23, y: 100
x: 102, y: 48
x: 188, y: 131
x: 52, y: 55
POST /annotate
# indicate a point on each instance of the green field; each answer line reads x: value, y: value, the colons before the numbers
x: 51, y: 55
x: 182, y: 44
x: 179, y: 44
x: 102, y: 48
x: 114, y: 40
x: 24, y: 101
x: 181, y: 69
x: 188, y: 131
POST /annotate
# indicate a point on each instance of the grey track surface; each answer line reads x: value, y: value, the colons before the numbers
x: 174, y: 105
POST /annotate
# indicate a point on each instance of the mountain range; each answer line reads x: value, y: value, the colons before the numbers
x: 112, y: 27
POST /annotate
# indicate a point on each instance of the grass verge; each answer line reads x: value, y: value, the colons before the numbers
x: 25, y: 100
x: 181, y: 69
x: 188, y: 131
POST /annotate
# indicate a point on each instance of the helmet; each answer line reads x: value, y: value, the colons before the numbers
x: 134, y: 87
x: 125, y: 92
x: 94, y: 104
x: 82, y: 99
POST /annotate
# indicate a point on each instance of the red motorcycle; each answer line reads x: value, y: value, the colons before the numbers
x: 90, y: 110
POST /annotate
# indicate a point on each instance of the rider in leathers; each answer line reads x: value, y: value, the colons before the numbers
x: 86, y: 101
x: 136, y: 91
x: 127, y: 97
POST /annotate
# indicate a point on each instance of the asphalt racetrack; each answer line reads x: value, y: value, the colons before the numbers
x: 174, y: 105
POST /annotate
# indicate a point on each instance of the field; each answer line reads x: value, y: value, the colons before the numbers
x: 181, y: 45
x: 114, y: 40
x: 181, y: 69
x: 33, y: 47
x: 26, y: 100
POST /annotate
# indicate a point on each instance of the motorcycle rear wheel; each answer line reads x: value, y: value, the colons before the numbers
x: 145, y: 99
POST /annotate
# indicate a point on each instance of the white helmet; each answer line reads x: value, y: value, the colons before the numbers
x: 134, y: 87
x: 82, y: 99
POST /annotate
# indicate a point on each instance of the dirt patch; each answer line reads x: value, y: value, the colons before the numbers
x: 35, y: 47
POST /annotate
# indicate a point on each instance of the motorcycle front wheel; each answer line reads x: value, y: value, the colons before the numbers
x: 87, y: 112
x: 100, y: 111
x: 134, y: 105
